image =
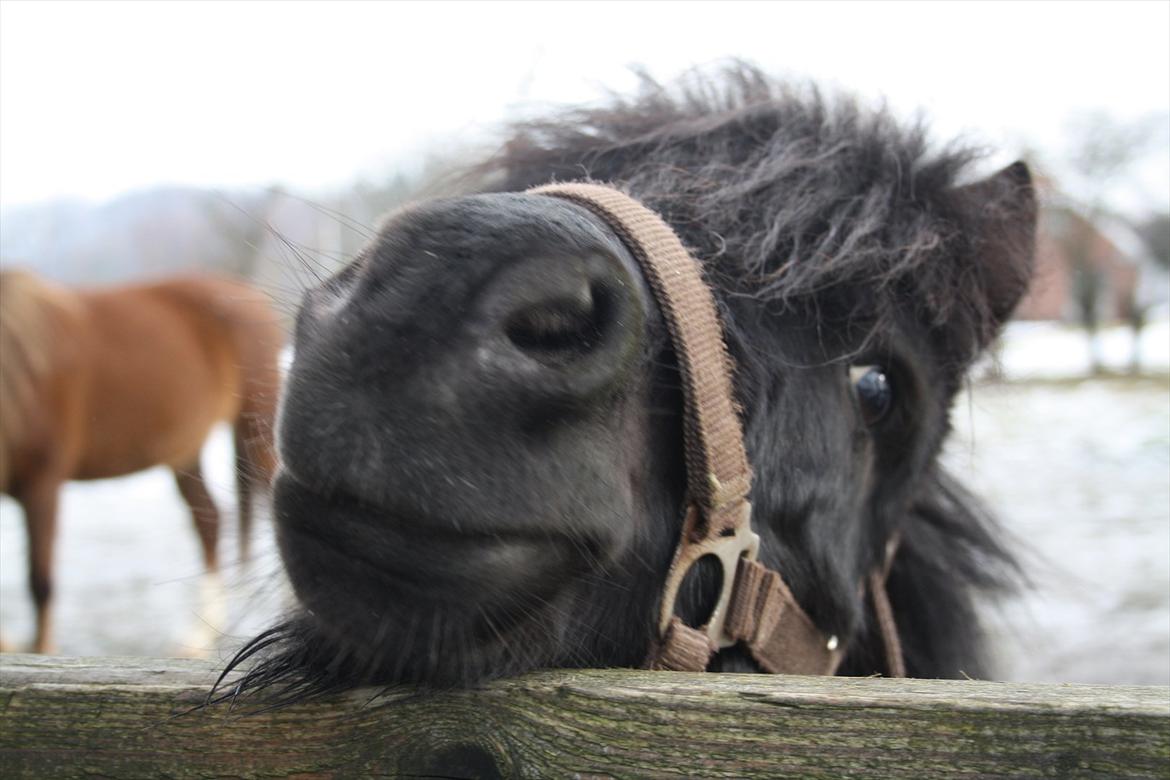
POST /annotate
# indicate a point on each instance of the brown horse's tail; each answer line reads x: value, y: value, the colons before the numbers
x: 255, y: 464
x: 258, y: 344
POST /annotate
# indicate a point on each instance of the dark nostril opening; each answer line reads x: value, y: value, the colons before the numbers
x: 561, y: 329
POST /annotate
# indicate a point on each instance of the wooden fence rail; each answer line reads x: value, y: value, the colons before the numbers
x: 127, y: 718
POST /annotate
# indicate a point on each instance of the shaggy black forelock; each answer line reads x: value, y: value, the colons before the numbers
x: 783, y: 192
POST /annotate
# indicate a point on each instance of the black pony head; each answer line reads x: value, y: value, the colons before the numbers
x: 481, y: 433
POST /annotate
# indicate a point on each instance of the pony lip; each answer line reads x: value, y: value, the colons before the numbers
x: 340, y: 538
x: 418, y: 527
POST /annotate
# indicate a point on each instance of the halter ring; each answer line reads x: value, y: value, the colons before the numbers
x: 742, y: 543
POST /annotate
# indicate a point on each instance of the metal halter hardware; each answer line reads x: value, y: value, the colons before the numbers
x: 755, y: 607
x: 743, y: 543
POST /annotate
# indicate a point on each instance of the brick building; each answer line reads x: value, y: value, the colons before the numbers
x: 1053, y: 290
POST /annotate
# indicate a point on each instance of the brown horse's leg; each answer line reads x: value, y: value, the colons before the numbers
x: 209, y: 618
x: 203, y: 511
x: 39, y: 501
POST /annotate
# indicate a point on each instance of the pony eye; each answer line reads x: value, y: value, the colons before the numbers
x: 873, y: 392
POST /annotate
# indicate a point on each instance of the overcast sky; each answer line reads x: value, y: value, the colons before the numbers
x: 99, y: 98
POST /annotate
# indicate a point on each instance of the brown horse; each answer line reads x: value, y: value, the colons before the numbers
x: 104, y: 382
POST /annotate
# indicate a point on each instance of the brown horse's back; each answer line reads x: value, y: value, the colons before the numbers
x: 168, y: 361
x: 108, y: 381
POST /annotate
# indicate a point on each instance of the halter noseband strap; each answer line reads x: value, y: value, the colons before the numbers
x: 755, y: 606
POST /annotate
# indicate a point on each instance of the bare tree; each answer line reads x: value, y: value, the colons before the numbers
x: 1103, y: 153
x: 1155, y: 232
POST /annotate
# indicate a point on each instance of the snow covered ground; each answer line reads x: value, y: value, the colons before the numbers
x: 1079, y: 475
x: 1078, y: 470
x: 128, y: 565
x: 1046, y: 350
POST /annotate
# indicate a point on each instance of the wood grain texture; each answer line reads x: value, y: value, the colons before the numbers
x: 129, y: 718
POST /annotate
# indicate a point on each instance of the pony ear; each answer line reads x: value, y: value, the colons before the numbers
x: 1003, y: 211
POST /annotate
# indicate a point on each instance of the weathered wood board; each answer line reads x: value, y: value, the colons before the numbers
x: 131, y: 718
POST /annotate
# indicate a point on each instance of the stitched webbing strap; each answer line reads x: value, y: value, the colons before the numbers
x: 718, y: 475
x: 782, y: 638
x: 884, y: 611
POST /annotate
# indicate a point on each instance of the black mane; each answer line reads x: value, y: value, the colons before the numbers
x: 782, y: 191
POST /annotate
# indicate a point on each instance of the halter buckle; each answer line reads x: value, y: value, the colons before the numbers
x: 729, y: 549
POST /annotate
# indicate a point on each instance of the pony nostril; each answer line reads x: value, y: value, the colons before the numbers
x: 563, y: 328
x: 560, y: 327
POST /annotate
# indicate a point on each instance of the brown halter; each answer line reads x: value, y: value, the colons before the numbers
x: 755, y: 606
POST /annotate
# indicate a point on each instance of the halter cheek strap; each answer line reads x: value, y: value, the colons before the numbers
x: 755, y: 606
